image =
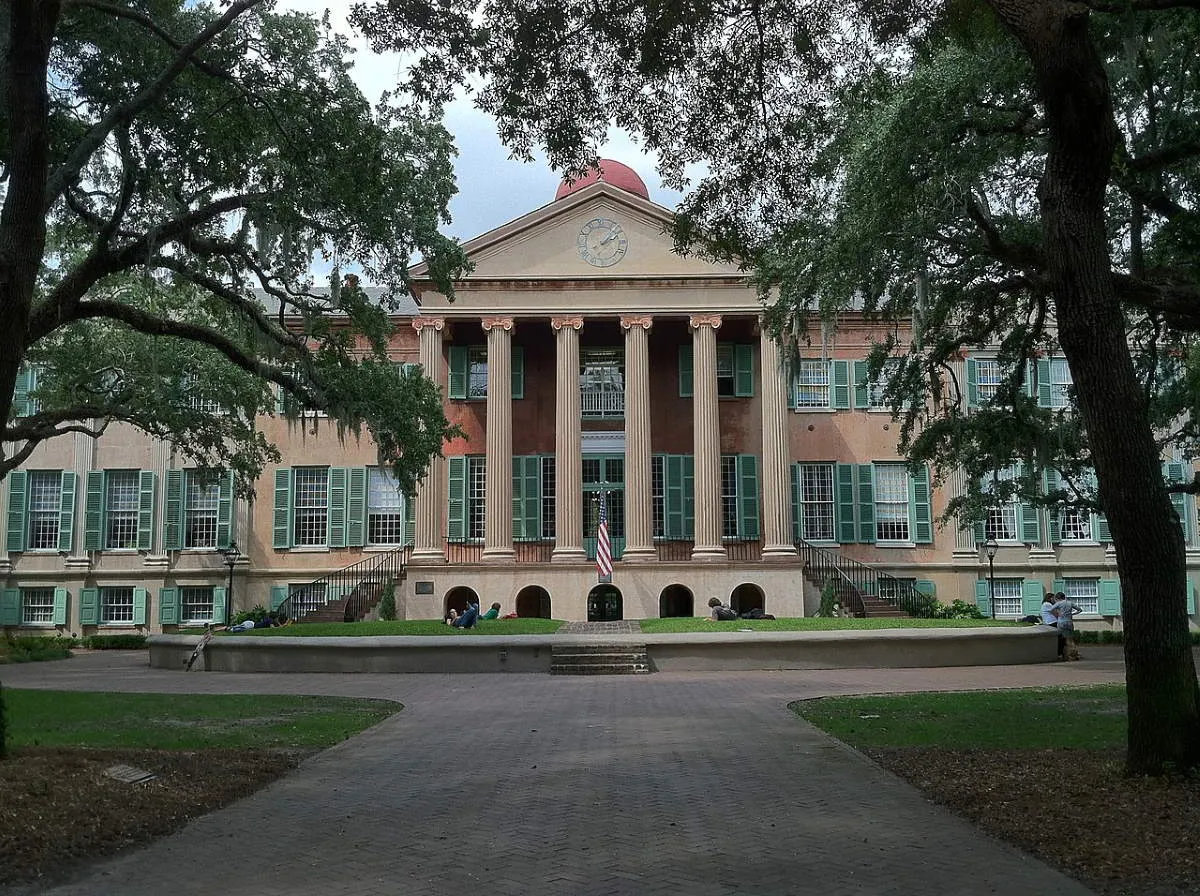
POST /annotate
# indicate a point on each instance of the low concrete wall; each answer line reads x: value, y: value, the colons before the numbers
x: 726, y: 651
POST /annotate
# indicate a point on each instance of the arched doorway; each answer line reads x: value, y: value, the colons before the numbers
x: 747, y: 597
x: 604, y: 604
x: 457, y: 598
x: 676, y: 600
x: 533, y: 602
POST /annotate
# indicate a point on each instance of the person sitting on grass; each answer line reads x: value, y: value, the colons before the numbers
x: 493, y: 613
x: 720, y: 612
x: 468, y: 617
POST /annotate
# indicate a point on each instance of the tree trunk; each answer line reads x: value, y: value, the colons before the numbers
x: 30, y: 29
x: 1163, y: 693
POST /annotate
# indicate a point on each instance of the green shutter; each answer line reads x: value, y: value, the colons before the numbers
x: 866, y: 503
x: 22, y: 405
x: 281, y: 528
x: 336, y: 533
x: 673, y: 495
x: 459, y: 363
x: 66, y: 511
x: 220, y: 613
x: 62, y: 606
x: 410, y: 520
x: 168, y: 606
x: 225, y: 533
x: 1191, y: 597
x: 689, y: 496
x: 686, y: 386
x: 747, y: 469
x: 862, y: 394
x: 972, y: 383
x: 89, y: 606
x: 841, y: 385
x: 527, y: 496
x: 1043, y: 370
x: 145, y: 533
x: 1050, y: 479
x: 743, y: 370
x: 1173, y: 472
x: 926, y: 587
x: 279, y: 593
x: 17, y: 489
x: 1059, y: 586
x: 846, y: 530
x: 1110, y: 597
x: 10, y: 606
x: 93, y: 513
x: 983, y: 596
x: 518, y: 371
x: 796, y: 533
x: 173, y: 511
x: 457, y: 512
x: 1100, y: 527
x: 1032, y: 592
x: 1031, y: 529
x: 356, y: 507
x: 140, y: 599
x: 920, y: 506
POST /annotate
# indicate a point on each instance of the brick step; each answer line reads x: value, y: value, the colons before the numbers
x: 600, y: 669
x: 599, y: 659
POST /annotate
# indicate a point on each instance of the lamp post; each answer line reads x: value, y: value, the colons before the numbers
x: 231, y: 555
x: 989, y: 547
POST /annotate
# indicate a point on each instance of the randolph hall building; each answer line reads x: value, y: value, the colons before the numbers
x: 597, y: 377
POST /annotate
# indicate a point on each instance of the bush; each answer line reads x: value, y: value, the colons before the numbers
x: 3, y: 727
x: 830, y: 606
x: 258, y: 614
x: 387, y: 604
x: 960, y: 609
x: 34, y: 648
x: 115, y: 642
x: 926, y: 606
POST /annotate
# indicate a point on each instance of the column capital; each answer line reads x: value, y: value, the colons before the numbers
x: 420, y: 323
x: 628, y: 322
x: 575, y: 322
x: 696, y: 321
x: 491, y: 323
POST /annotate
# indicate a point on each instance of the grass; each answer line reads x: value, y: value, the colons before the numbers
x: 1033, y: 718
x: 807, y: 624
x: 185, y: 722
x: 409, y: 627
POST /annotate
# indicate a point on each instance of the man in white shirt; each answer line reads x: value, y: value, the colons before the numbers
x: 1065, y: 611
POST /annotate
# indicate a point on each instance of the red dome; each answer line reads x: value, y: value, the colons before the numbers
x: 610, y: 172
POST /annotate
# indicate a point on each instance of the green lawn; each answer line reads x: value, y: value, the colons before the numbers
x: 808, y: 624
x: 409, y: 627
x: 184, y: 722
x: 1035, y: 718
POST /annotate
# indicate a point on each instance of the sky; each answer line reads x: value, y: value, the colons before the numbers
x: 492, y: 188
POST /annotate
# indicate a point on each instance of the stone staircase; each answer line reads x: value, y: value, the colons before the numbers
x: 599, y: 659
x: 364, y: 598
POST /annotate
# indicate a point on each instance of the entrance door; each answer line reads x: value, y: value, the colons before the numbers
x: 604, y: 604
x: 604, y: 473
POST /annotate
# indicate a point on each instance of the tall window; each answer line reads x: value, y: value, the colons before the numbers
x: 726, y: 373
x: 121, y: 510
x: 816, y: 502
x: 891, y: 502
x: 1085, y: 593
x: 477, y: 372
x: 476, y: 497
x: 658, y: 496
x: 729, y: 497
x: 195, y: 604
x: 1075, y: 524
x: 116, y: 606
x: 312, y: 505
x: 987, y: 378
x: 1001, y: 521
x: 385, y: 508
x: 1008, y: 597
x: 37, y: 606
x: 812, y: 384
x: 548, y: 498
x: 1060, y: 383
x: 44, y: 496
x: 876, y: 387
x: 602, y: 382
x: 202, y: 495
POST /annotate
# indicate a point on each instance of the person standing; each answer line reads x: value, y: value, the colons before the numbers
x: 1065, y: 611
x: 1049, y: 618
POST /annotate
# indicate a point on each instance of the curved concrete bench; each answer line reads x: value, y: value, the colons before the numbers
x: 723, y: 651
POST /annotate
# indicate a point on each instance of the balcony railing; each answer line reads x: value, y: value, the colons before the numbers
x: 602, y: 403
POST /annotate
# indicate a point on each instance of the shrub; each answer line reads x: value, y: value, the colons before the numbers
x: 960, y: 609
x: 830, y: 606
x: 258, y: 614
x: 926, y: 606
x: 34, y: 648
x: 387, y: 604
x: 3, y: 727
x: 115, y: 642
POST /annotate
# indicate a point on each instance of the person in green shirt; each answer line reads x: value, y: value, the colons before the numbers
x: 493, y: 613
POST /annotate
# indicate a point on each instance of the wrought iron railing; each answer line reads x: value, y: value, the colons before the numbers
x: 533, y: 550
x: 743, y: 550
x: 673, y: 551
x: 464, y: 550
x: 854, y: 580
x: 355, y: 590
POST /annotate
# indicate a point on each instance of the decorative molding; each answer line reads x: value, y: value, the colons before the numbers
x: 696, y: 321
x: 603, y: 442
x: 645, y: 321
x: 419, y: 323
x: 575, y: 322
x: 491, y: 323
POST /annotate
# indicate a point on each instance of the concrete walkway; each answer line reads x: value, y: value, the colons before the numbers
x: 692, y: 784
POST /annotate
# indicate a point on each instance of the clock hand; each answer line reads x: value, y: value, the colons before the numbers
x: 612, y: 235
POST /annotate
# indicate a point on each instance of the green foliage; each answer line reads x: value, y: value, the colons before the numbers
x: 34, y: 648
x: 960, y: 609
x: 407, y: 627
x: 3, y: 725
x: 115, y: 642
x: 830, y: 605
x: 387, y: 604
x: 258, y: 613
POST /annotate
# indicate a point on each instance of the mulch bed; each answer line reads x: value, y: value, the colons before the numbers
x: 1073, y: 809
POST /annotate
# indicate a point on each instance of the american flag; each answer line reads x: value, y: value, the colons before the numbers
x: 603, y: 545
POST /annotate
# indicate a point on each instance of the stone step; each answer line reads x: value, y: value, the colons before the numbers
x: 599, y: 659
x: 600, y: 669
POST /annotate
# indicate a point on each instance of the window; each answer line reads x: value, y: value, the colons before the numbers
x: 812, y: 384
x: 658, y: 496
x: 306, y: 598
x: 875, y: 389
x: 1001, y: 523
x: 116, y: 606
x: 1008, y: 597
x: 739, y: 496
x: 672, y: 494
x: 476, y: 497
x: 196, y: 604
x: 891, y: 502
x: 477, y: 372
x: 893, y: 588
x: 385, y: 508
x: 45, y: 487
x: 726, y: 376
x: 37, y: 606
x: 987, y: 379
x: 24, y: 405
x: 1085, y: 593
x: 548, y: 485
x: 729, y: 497
x: 602, y: 382
x: 203, y: 494
x: 121, y: 510
x: 1076, y: 524
x: 816, y: 502
x: 312, y: 506
x: 1060, y: 383
x: 469, y: 372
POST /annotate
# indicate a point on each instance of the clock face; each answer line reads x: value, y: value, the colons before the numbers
x: 602, y: 242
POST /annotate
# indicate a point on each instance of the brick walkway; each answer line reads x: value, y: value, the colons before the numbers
x: 693, y: 784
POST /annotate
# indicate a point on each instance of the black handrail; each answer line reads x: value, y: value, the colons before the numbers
x: 856, y: 579
x: 361, y: 585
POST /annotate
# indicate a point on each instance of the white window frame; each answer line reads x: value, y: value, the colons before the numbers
x: 1006, y: 514
x: 1085, y: 592
x: 1060, y: 383
x: 812, y: 376
x: 311, y: 509
x: 43, y: 519
x: 875, y: 388
x: 892, y: 507
x: 988, y: 376
x: 116, y: 605
x: 817, y: 503
x: 37, y: 606
x: 201, y: 500
x: 548, y: 494
x: 1010, y: 600
x: 726, y: 370
x: 122, y: 495
x: 658, y: 496
x: 602, y: 383
x: 196, y: 604
x: 477, y: 372
x: 385, y: 508
x: 476, y: 522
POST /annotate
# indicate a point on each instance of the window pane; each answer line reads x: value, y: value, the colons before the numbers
x: 477, y: 372
x: 385, y: 508
x: 312, y: 505
x: 37, y: 606
x: 729, y: 497
x: 1060, y: 382
x: 1001, y: 523
x: 1084, y: 592
x: 1008, y: 597
x: 658, y: 496
x: 987, y: 378
x: 200, y: 511
x: 44, y: 496
x: 816, y: 502
x: 602, y: 382
x: 877, y: 386
x: 116, y: 605
x: 121, y: 510
x: 891, y: 502
x: 476, y: 497
x: 1076, y: 524
x: 812, y: 384
x: 725, y: 375
x: 548, y: 492
x: 196, y: 604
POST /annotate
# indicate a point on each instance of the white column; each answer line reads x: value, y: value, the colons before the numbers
x: 568, y: 450
x: 428, y: 542
x: 498, y: 543
x: 706, y: 437
x: 776, y: 505
x: 639, y: 531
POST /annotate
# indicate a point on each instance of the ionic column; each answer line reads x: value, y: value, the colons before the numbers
x: 568, y: 449
x: 639, y: 532
x: 428, y: 544
x: 777, y: 543
x: 706, y: 438
x: 497, y: 530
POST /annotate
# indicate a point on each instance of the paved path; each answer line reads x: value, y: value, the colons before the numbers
x: 691, y: 784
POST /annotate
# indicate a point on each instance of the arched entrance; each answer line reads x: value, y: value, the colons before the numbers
x: 747, y: 597
x: 533, y: 602
x: 457, y: 598
x: 676, y: 600
x: 604, y: 604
